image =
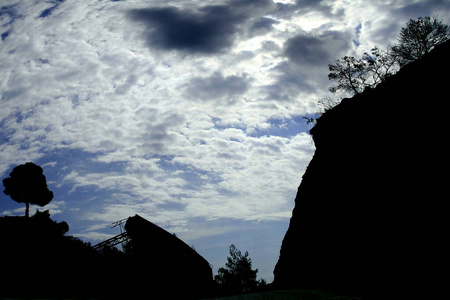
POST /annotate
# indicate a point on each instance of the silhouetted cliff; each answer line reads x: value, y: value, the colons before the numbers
x: 369, y: 211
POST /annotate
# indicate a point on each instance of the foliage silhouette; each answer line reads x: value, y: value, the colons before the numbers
x: 419, y: 37
x: 27, y: 184
x: 380, y: 64
x: 238, y: 275
x: 43, y: 217
x: 350, y: 74
x: 355, y: 75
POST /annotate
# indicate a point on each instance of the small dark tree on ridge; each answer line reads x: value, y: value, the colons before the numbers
x: 27, y: 184
x: 238, y: 275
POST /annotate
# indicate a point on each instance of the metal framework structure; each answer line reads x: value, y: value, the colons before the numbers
x: 118, y: 239
x: 120, y: 224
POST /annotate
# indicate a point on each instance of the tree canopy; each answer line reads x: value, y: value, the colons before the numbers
x: 237, y: 276
x: 27, y: 184
x: 414, y: 41
x: 349, y: 74
x: 419, y: 37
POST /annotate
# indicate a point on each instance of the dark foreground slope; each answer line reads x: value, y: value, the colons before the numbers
x: 369, y: 213
x: 38, y: 261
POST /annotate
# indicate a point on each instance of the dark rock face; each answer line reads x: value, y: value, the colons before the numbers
x: 368, y: 215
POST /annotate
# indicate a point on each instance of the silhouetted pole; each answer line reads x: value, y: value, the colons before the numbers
x: 27, y: 209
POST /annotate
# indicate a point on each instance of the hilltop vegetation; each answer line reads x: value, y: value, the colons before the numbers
x: 351, y: 75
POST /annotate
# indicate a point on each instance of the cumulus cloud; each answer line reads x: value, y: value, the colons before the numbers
x: 54, y: 207
x: 218, y: 86
x: 310, y: 50
x: 262, y: 26
x: 299, y: 77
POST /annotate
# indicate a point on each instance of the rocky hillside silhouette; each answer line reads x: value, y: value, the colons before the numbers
x: 40, y: 261
x: 369, y: 211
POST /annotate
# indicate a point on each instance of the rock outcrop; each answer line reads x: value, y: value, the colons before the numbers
x: 369, y: 211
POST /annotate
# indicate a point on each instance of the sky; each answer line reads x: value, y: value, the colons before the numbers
x: 188, y: 113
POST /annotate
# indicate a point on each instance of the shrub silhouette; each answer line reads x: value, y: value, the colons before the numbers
x: 27, y: 184
x: 419, y: 37
x: 238, y: 275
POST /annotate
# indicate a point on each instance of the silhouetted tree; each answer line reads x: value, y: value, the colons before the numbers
x: 349, y: 73
x: 237, y: 276
x: 355, y: 75
x: 414, y: 41
x: 380, y: 64
x: 27, y: 184
x: 419, y: 37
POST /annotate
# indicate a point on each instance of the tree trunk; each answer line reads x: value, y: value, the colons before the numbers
x: 27, y: 210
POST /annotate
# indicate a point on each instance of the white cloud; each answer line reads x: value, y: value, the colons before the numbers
x: 94, y: 236
x: 54, y: 207
x: 178, y: 131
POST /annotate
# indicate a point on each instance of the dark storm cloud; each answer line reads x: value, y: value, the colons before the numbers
x: 217, y: 86
x: 306, y: 50
x: 210, y: 30
x: 207, y: 30
x: 262, y: 26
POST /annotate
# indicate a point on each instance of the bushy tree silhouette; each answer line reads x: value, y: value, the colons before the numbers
x: 419, y: 37
x: 238, y: 275
x: 379, y: 65
x: 349, y: 73
x: 27, y: 184
x: 415, y: 40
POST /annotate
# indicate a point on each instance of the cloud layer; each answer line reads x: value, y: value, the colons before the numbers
x: 186, y: 112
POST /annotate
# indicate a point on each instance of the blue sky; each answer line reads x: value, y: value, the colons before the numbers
x: 188, y: 113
